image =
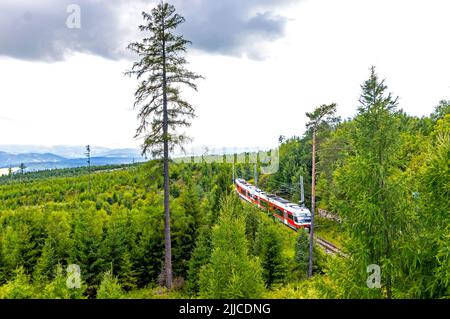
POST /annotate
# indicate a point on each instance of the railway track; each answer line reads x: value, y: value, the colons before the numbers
x: 329, y: 247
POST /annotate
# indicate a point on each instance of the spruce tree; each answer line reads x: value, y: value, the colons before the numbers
x: 161, y: 70
x: 109, y: 287
x: 301, y: 252
x: 268, y: 248
x: 199, y: 258
x: 231, y: 272
x: 58, y: 289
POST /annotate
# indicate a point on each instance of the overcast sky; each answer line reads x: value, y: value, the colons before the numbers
x: 266, y: 63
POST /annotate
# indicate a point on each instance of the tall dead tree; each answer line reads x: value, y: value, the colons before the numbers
x: 88, y: 156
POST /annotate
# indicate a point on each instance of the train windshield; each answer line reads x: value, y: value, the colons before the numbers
x: 303, y: 218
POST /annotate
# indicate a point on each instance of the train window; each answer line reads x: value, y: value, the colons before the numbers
x: 278, y: 212
x: 289, y: 215
x: 263, y: 203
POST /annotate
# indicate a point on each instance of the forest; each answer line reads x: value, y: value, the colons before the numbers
x: 114, y: 233
x: 223, y: 248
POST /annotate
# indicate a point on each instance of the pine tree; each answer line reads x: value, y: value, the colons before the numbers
x: 22, y: 168
x: 109, y: 287
x: 189, y: 200
x: 199, y: 258
x: 321, y: 116
x: 252, y: 223
x: 88, y: 156
x: 18, y: 288
x: 58, y: 289
x: 301, y: 252
x: 127, y: 273
x: 374, y: 199
x: 87, y: 244
x: 161, y: 70
x: 231, y: 273
x: 434, y: 207
x: 46, y: 262
x: 268, y: 247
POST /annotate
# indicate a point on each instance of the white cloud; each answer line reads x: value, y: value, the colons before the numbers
x: 85, y: 100
x: 324, y: 57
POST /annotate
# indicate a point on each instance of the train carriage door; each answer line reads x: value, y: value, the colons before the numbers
x: 285, y: 216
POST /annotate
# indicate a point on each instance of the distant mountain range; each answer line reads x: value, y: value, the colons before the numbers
x: 42, y: 158
x: 7, y: 159
x: 69, y: 151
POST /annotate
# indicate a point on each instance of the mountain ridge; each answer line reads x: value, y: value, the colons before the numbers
x: 48, y: 160
x: 67, y: 151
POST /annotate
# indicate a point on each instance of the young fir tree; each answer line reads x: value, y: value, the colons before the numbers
x: 109, y: 287
x: 87, y: 251
x: 58, y: 288
x: 190, y: 202
x: 161, y: 70
x: 231, y: 272
x: 301, y: 252
x: 127, y: 273
x: 199, y: 258
x: 269, y: 249
x: 18, y: 288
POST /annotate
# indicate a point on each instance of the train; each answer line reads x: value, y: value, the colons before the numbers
x: 292, y: 215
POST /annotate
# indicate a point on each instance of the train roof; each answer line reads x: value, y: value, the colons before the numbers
x: 277, y: 199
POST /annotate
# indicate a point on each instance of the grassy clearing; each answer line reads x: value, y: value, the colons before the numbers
x: 330, y: 230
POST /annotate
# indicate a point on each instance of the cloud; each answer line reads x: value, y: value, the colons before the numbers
x: 37, y: 30
x: 231, y: 27
x: 5, y: 118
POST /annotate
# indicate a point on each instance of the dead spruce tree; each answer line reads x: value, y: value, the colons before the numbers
x: 161, y: 72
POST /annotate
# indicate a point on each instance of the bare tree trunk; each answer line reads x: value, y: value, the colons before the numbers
x: 313, y: 204
x: 167, y: 238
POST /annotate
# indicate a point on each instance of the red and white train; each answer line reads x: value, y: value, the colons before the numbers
x: 292, y: 215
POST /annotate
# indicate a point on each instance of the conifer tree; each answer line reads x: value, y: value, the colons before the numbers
x: 434, y: 207
x: 199, y: 258
x: 321, y: 116
x: 58, y: 289
x: 22, y: 168
x: 374, y: 200
x: 18, y: 288
x: 231, y: 272
x: 109, y: 287
x: 127, y: 273
x: 301, y: 252
x: 161, y: 70
x: 268, y: 247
